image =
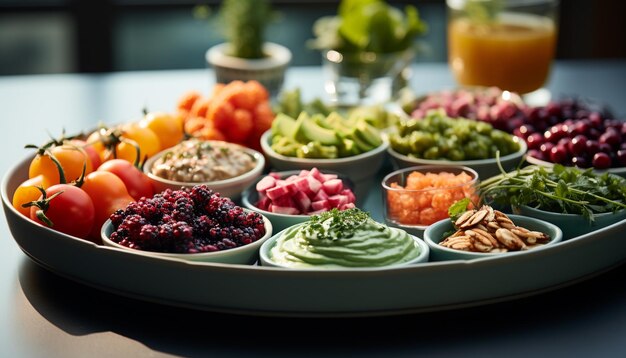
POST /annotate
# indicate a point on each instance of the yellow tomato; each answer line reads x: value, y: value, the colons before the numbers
x: 167, y: 127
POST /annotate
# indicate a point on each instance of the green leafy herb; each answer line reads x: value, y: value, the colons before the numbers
x: 335, y: 224
x: 459, y: 207
x: 557, y: 189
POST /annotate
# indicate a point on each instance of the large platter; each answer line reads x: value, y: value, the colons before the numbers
x: 274, y: 291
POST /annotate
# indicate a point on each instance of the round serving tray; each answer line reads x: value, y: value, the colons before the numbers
x: 273, y: 291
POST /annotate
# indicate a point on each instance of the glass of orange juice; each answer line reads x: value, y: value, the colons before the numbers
x: 505, y: 43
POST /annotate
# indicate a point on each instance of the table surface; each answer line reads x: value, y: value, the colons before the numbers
x: 44, y: 315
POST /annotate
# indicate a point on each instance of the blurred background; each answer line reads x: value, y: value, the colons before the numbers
x: 67, y: 36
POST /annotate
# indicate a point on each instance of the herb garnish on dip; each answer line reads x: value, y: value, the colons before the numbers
x: 348, y: 238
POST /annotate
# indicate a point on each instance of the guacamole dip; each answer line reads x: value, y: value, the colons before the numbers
x: 348, y: 238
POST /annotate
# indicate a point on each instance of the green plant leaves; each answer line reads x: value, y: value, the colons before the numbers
x: 368, y: 26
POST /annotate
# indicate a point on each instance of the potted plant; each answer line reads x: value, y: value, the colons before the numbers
x: 366, y: 48
x: 246, y: 55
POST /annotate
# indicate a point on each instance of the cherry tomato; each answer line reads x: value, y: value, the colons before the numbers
x: 90, y: 150
x: 25, y: 193
x: 69, y: 210
x: 108, y: 193
x: 137, y: 183
x: 148, y: 142
x: 70, y: 157
x: 168, y: 129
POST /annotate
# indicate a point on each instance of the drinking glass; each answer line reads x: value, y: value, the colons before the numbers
x: 365, y: 78
x: 505, y: 43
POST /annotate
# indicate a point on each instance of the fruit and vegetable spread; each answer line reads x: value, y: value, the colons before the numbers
x: 319, y: 136
x: 348, y: 238
x: 438, y: 136
x: 310, y: 192
x: 426, y: 197
x: 190, y: 220
x: 196, y: 161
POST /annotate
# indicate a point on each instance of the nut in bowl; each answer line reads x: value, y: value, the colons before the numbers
x: 416, y: 197
x: 486, y: 233
x: 440, y: 140
x: 192, y: 224
x: 342, y: 240
x: 224, y: 167
x: 291, y: 197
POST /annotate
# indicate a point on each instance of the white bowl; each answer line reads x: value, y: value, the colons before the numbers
x: 434, y: 234
x: 361, y: 168
x: 282, y: 221
x: 230, y: 188
x: 266, y: 259
x: 247, y: 254
x: 484, y: 167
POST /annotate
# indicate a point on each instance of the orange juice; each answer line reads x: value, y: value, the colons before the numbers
x: 513, y: 53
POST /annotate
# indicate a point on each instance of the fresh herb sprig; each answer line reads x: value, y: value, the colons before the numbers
x: 557, y: 189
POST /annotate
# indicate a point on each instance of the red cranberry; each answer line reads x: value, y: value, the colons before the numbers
x: 601, y: 161
x: 558, y: 155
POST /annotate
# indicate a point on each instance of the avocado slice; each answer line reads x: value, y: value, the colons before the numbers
x: 284, y: 125
x: 308, y: 131
x: 368, y: 133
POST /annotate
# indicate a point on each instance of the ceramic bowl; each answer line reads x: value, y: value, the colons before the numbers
x: 572, y: 225
x: 247, y: 254
x: 400, y: 205
x: 361, y: 169
x: 231, y: 188
x: 435, y: 233
x: 250, y: 197
x: 266, y: 258
x: 484, y: 167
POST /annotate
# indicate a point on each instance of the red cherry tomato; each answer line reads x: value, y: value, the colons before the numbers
x: 108, y: 193
x: 69, y: 210
x: 137, y: 183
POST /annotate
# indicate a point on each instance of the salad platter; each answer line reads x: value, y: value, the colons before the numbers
x: 259, y: 290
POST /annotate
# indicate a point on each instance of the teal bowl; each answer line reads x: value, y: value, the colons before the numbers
x: 434, y: 234
x: 265, y: 257
x: 572, y: 225
x: 250, y: 197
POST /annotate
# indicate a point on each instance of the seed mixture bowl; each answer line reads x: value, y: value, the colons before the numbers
x: 245, y: 255
x: 437, y: 232
x: 413, y: 209
x: 228, y: 187
x: 280, y: 221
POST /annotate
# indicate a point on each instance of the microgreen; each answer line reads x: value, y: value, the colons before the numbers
x: 557, y: 189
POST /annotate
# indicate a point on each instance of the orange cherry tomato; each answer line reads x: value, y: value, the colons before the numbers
x: 108, y: 193
x: 25, y: 193
x: 91, y: 152
x: 148, y: 142
x: 71, y: 158
x: 137, y: 183
x: 168, y: 129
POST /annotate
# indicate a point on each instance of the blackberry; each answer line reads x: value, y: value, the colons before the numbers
x: 189, y: 220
